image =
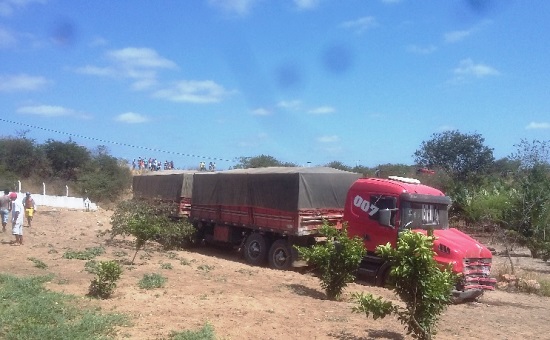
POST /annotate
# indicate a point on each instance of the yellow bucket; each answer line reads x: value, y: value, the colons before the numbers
x: 29, y: 212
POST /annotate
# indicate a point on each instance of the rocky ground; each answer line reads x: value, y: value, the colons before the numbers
x: 245, y: 302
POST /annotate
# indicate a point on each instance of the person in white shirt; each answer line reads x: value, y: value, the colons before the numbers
x: 17, y: 214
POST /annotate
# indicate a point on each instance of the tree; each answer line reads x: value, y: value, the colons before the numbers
x: 261, y: 161
x: 528, y: 214
x: 21, y: 156
x: 104, y: 178
x: 337, y: 259
x: 338, y: 165
x: 66, y: 158
x: 417, y: 280
x: 464, y: 156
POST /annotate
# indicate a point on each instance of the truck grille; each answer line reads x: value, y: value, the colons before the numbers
x: 476, y: 274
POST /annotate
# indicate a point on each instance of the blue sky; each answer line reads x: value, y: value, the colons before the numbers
x: 356, y: 81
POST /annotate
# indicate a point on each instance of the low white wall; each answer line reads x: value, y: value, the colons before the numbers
x: 57, y: 201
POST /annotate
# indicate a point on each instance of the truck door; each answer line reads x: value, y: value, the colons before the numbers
x: 363, y: 216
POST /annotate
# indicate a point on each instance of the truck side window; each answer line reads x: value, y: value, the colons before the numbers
x: 382, y: 202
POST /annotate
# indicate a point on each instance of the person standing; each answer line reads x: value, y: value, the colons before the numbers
x: 28, y: 204
x: 5, y: 207
x: 16, y: 219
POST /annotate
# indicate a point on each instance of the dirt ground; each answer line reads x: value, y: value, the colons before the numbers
x: 240, y: 301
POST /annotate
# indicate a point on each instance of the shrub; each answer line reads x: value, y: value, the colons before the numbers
x: 205, y: 333
x: 150, y: 281
x: 107, y: 273
x: 87, y: 254
x: 419, y: 283
x: 38, y: 263
x: 149, y: 222
x: 338, y: 259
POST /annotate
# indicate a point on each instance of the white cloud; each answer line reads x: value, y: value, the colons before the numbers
x: 240, y: 7
x: 133, y: 57
x: 467, y: 67
x: 360, y: 25
x: 328, y: 139
x: 97, y: 71
x: 322, y: 110
x: 306, y: 4
x: 192, y: 91
x: 444, y: 128
x: 289, y: 105
x: 46, y: 110
x: 138, y: 64
x: 131, y: 118
x: 421, y: 49
x: 261, y: 112
x: 7, y: 38
x: 7, y: 7
x: 456, y: 36
x: 21, y: 82
x: 537, y: 125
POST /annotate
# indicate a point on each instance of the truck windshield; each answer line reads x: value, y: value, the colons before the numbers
x: 423, y: 215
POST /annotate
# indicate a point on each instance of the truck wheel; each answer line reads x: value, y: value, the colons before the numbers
x: 255, y: 249
x: 280, y: 255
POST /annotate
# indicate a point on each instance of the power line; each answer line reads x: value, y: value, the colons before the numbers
x: 116, y: 143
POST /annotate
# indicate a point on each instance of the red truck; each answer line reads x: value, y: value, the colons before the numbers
x: 266, y: 211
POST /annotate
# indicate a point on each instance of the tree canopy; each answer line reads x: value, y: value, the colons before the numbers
x: 464, y: 156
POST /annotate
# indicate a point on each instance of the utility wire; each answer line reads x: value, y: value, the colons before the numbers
x: 116, y: 143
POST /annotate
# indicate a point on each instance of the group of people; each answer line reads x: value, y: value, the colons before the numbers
x: 151, y: 164
x: 211, y: 166
x: 26, y: 207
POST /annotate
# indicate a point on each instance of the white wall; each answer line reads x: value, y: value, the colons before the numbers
x: 57, y: 201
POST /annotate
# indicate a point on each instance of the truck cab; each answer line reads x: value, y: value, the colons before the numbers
x: 378, y: 209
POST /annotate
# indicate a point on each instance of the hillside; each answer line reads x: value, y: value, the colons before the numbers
x: 240, y: 301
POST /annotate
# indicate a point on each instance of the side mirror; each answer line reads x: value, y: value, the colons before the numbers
x: 384, y: 217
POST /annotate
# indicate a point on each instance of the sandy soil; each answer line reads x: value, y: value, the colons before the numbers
x: 241, y: 301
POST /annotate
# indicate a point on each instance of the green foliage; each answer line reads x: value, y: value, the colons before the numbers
x: 337, y: 259
x: 67, y: 159
x: 261, y: 161
x: 38, y: 263
x: 91, y: 266
x: 148, y: 222
x: 96, y: 175
x: 464, y: 156
x: 205, y: 333
x: 419, y: 283
x: 105, y: 178
x: 166, y: 266
x: 29, y: 311
x: 528, y: 213
x: 104, y: 284
x: 87, y: 254
x: 150, y: 281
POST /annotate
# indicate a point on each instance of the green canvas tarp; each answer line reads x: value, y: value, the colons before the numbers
x: 281, y: 188
x: 164, y: 184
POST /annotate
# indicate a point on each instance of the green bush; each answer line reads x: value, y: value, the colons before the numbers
x: 147, y: 222
x: 38, y: 263
x: 337, y: 259
x: 419, y: 283
x: 107, y: 273
x: 150, y: 281
x: 205, y: 333
x: 87, y: 254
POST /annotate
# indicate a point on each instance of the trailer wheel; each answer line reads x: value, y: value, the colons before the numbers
x: 280, y: 255
x: 255, y: 249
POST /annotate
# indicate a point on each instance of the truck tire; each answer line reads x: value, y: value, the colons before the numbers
x: 255, y: 249
x: 280, y: 255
